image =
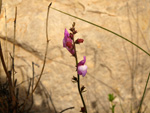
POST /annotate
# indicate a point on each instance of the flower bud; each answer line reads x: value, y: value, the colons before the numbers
x: 78, y: 41
x: 72, y: 29
x: 82, y: 89
x: 82, y: 109
x: 74, y: 79
x: 75, y: 31
x: 69, y: 45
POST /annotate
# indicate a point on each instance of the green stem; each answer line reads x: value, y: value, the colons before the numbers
x: 76, y: 58
x: 143, y: 94
x: 103, y: 29
x: 81, y: 93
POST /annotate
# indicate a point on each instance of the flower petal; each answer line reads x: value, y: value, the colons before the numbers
x: 71, y: 51
x: 82, y: 62
x: 82, y: 70
x: 66, y: 34
x: 64, y: 43
x: 66, y: 38
x: 67, y: 42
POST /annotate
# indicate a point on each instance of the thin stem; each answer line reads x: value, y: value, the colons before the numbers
x: 76, y: 58
x: 66, y: 109
x: 139, y: 110
x: 112, y: 109
x: 103, y: 29
x: 13, y: 61
x: 44, y: 62
x: 6, y: 39
x: 81, y: 93
x: 46, y: 48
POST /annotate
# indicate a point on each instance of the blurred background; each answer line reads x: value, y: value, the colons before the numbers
x: 114, y: 65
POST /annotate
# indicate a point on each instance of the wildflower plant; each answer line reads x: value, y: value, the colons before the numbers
x: 111, y: 98
x: 118, y: 35
x: 69, y: 43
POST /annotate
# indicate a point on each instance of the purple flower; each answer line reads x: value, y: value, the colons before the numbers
x: 67, y: 42
x: 82, y: 69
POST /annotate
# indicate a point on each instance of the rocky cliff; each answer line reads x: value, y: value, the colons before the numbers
x: 114, y: 65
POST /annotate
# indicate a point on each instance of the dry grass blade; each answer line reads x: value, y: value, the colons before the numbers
x: 67, y: 109
x: 44, y: 62
x: 13, y: 61
x: 47, y: 40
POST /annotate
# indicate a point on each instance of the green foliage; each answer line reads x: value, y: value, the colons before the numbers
x: 111, y: 97
x: 113, y: 108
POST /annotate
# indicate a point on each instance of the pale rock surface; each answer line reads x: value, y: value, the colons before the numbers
x: 112, y: 62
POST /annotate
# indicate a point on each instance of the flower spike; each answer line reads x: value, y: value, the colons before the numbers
x: 67, y: 43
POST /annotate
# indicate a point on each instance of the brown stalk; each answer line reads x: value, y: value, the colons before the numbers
x: 6, y: 39
x: 13, y: 60
x: 47, y: 41
x: 44, y: 62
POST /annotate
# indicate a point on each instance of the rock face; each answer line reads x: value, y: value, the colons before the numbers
x: 0, y: 6
x: 114, y: 65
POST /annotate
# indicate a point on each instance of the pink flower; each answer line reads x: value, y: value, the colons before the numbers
x: 82, y: 68
x: 67, y: 42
